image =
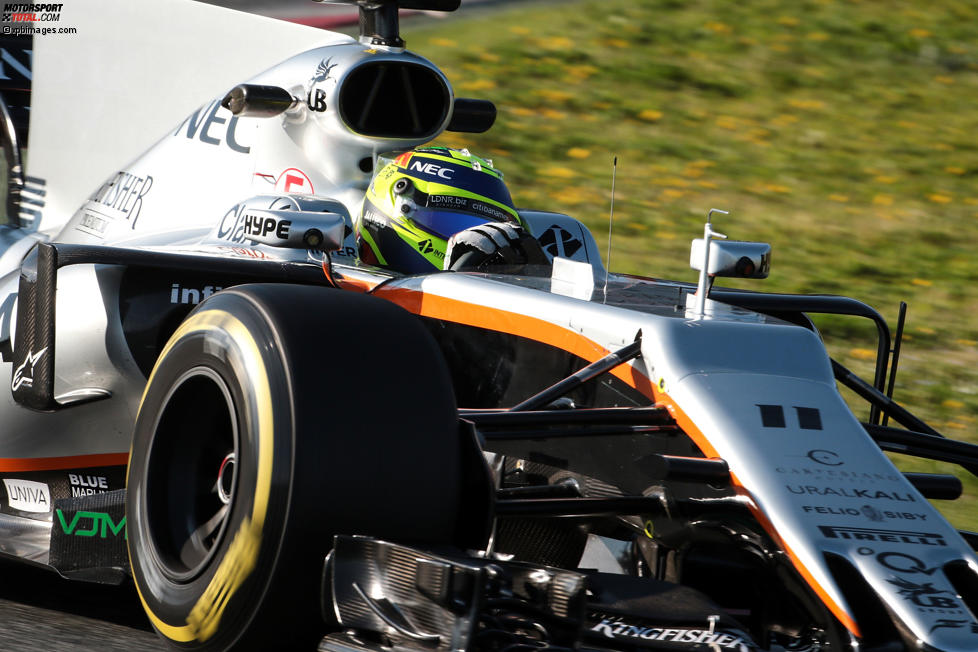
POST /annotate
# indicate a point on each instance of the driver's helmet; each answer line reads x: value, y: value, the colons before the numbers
x: 420, y: 199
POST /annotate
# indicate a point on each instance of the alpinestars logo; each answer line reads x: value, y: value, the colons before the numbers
x: 617, y: 629
x: 24, y: 374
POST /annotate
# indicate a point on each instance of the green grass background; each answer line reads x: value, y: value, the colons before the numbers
x: 843, y: 132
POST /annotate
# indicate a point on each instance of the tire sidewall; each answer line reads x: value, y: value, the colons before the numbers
x: 216, y: 606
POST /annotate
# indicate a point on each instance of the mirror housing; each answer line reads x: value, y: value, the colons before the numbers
x: 732, y: 258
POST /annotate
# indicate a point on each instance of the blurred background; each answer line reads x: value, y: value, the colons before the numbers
x: 843, y: 132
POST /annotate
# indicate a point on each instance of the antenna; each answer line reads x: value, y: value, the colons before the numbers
x: 611, y: 222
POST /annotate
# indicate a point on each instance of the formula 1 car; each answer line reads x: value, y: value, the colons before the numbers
x: 280, y: 445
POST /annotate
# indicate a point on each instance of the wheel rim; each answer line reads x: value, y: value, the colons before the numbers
x: 192, y: 474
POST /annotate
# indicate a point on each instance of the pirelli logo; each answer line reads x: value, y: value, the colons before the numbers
x: 887, y: 536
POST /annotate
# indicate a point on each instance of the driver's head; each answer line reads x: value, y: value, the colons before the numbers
x: 419, y: 200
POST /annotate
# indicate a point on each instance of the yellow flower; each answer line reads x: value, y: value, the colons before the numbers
x: 727, y: 122
x: 787, y: 21
x: 650, y: 115
x: 552, y: 114
x: 706, y: 184
x: 818, y: 36
x: 863, y: 354
x: 638, y: 226
x: 773, y: 187
x: 839, y: 198
x: 578, y: 152
x: 581, y: 72
x: 938, y: 198
x: 922, y: 282
x: 718, y: 28
x: 521, y: 110
x: 885, y: 179
x: 478, y: 85
x: 952, y: 404
x: 554, y: 95
x: 443, y: 42
x: 556, y: 43
x: 944, y: 79
x: 953, y: 169
x: 883, y: 200
x: 967, y: 342
x: 489, y: 56
x: 559, y: 172
x: 617, y: 43
x: 780, y: 47
x: 672, y: 193
x: 519, y: 29
x: 906, y: 124
x: 919, y: 33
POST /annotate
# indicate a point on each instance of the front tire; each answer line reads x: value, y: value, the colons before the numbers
x: 276, y: 417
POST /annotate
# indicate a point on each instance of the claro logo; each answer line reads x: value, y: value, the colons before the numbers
x: 432, y: 169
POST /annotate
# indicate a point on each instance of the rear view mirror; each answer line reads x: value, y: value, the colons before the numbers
x: 732, y: 258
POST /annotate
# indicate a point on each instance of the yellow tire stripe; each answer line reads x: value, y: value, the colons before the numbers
x: 242, y: 554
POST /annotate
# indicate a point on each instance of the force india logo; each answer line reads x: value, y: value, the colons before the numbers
x: 617, y: 630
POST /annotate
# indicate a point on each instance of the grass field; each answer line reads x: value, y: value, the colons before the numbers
x: 844, y: 132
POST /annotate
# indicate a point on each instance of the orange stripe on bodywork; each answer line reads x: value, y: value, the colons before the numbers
x: 495, y: 319
x: 704, y: 444
x: 20, y: 464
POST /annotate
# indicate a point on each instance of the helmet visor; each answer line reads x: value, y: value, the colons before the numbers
x: 445, y: 223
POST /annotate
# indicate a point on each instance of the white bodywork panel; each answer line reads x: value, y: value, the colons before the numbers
x: 146, y: 66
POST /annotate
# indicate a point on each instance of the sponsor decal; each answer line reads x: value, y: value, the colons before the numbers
x: 28, y: 496
x: 257, y: 225
x: 426, y: 247
x: 866, y: 511
x: 901, y: 562
x: 24, y: 374
x: 954, y: 624
x: 316, y: 97
x: 294, y: 181
x: 124, y: 193
x: 432, y: 169
x: 618, y: 629
x: 237, y: 225
x: 837, y: 475
x: 191, y: 296
x: 87, y: 485
x: 772, y: 416
x: 890, y: 536
x: 244, y: 252
x: 559, y: 242
x: 469, y: 205
x: 210, y: 124
x: 822, y: 456
x: 93, y: 223
x: 91, y: 524
x: 849, y: 492
x: 923, y: 595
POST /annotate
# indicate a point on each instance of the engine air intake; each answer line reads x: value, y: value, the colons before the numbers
x: 394, y: 99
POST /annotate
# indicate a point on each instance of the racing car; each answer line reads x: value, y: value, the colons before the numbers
x: 212, y: 395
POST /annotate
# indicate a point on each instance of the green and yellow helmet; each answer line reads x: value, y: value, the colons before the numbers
x: 422, y: 198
